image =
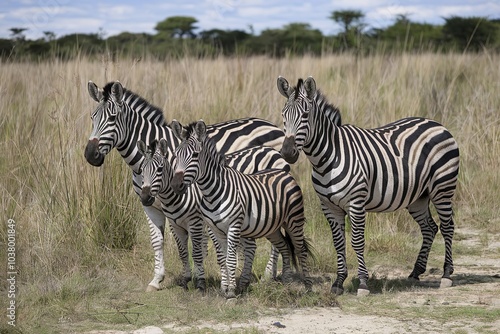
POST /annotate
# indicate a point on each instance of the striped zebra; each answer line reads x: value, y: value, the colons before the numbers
x: 237, y: 205
x: 405, y: 164
x: 122, y: 118
x: 184, y: 209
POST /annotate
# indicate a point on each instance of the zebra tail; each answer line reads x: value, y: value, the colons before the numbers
x: 311, y: 252
x: 293, y: 253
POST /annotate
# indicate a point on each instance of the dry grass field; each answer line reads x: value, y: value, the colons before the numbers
x: 83, y: 256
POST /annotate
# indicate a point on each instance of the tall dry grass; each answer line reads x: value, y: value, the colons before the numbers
x: 81, y: 232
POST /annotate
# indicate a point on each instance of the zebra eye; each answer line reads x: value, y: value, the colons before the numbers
x: 159, y: 169
x: 112, y: 118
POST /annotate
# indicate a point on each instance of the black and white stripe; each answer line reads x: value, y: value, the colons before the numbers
x: 237, y: 205
x: 405, y: 164
x: 184, y: 209
x: 122, y: 118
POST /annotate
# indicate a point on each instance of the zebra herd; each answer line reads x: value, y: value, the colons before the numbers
x: 232, y: 181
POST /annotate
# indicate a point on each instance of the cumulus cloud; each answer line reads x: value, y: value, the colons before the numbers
x: 115, y: 16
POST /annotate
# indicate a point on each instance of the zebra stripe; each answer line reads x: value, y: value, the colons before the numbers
x: 122, y: 118
x: 406, y: 164
x: 237, y: 205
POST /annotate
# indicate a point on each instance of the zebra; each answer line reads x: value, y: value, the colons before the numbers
x: 406, y: 164
x: 237, y: 205
x: 122, y: 117
x: 184, y: 209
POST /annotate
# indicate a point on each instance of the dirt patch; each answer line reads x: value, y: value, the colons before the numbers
x: 476, y: 287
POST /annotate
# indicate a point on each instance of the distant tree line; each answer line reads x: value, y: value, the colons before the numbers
x: 176, y: 37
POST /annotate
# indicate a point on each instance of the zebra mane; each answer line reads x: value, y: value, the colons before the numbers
x: 300, y: 84
x: 209, y: 143
x: 139, y: 104
x: 328, y: 109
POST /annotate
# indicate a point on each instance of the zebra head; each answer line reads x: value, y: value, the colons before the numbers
x: 300, y: 101
x: 186, y: 165
x: 152, y: 169
x: 104, y: 134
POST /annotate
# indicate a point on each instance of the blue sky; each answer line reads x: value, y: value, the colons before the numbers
x: 114, y: 16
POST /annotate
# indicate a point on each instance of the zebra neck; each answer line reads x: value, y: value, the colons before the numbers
x: 212, y: 172
x: 140, y: 128
x: 321, y: 148
x: 166, y: 180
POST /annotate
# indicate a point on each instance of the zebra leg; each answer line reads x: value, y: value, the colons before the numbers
x: 220, y: 244
x: 233, y: 240
x: 296, y: 232
x: 336, y: 220
x: 279, y: 242
x: 198, y: 237
x: 447, y: 228
x: 272, y: 265
x: 357, y: 216
x: 181, y: 237
x: 249, y: 247
x: 156, y: 221
x: 419, y: 210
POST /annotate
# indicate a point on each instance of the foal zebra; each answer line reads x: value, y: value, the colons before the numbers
x: 405, y: 164
x: 237, y: 205
x: 123, y: 117
x: 184, y: 209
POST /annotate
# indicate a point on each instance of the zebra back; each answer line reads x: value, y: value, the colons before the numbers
x: 123, y: 117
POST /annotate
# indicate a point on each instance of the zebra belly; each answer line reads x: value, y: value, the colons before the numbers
x: 383, y: 196
x: 254, y: 225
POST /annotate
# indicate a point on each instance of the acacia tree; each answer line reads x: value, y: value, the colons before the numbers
x: 177, y: 26
x: 352, y: 23
x: 17, y: 34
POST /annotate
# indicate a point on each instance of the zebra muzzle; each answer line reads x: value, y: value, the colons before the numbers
x: 92, y: 154
x: 178, y: 184
x: 289, y: 150
x: 146, y: 198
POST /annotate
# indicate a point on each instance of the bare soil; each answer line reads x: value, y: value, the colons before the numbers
x: 476, y: 288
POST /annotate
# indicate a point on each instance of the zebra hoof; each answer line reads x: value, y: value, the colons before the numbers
x: 201, y: 285
x: 337, y: 290
x: 183, y: 282
x: 231, y: 294
x: 445, y: 283
x: 413, y: 279
x: 151, y: 288
x: 363, y: 292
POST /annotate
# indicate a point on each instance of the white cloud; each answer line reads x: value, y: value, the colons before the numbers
x: 66, y: 16
x: 116, y: 11
x: 259, y: 12
x: 31, y: 13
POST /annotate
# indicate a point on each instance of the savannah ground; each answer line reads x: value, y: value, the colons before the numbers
x: 83, y: 257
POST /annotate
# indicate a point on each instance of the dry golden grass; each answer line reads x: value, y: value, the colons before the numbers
x: 81, y: 232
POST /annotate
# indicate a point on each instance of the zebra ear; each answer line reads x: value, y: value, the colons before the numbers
x: 163, y: 147
x: 310, y: 87
x: 283, y: 87
x: 94, y: 91
x: 176, y: 128
x: 201, y: 130
x: 117, y: 92
x: 141, y: 146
